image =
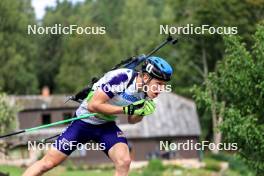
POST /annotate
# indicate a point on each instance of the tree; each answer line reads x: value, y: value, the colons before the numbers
x: 51, y: 46
x: 8, y: 115
x: 18, y: 49
x: 70, y: 61
x: 84, y: 57
x: 200, y: 53
x: 138, y: 28
x: 197, y: 55
x: 238, y: 84
x: 105, y: 14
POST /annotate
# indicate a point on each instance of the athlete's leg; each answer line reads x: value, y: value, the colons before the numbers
x: 53, y: 158
x: 116, y: 147
x: 119, y: 154
x: 74, y: 134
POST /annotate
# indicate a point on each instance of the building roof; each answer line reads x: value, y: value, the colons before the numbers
x: 174, y: 116
x: 32, y: 102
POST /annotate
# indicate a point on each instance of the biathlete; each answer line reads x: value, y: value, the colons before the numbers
x: 120, y: 91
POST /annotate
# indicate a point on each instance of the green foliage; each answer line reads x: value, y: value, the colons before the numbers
x: 154, y: 168
x: 63, y: 58
x: 67, y: 57
x: 132, y: 28
x: 238, y: 83
x: 82, y: 51
x: 212, y: 165
x: 70, y: 166
x: 50, y: 52
x: 11, y: 170
x: 234, y: 163
x: 134, y: 32
x: 7, y: 114
x: 199, y: 53
x: 18, y: 50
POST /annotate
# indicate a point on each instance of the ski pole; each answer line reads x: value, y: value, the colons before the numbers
x: 47, y: 125
x: 49, y: 138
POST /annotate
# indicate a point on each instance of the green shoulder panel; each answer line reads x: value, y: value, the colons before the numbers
x: 100, y: 115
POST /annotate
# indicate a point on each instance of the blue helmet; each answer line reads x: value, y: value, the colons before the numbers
x: 157, y: 68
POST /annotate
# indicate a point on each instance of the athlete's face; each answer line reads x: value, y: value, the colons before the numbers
x: 155, y: 87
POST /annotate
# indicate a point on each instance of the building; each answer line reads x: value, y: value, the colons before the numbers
x: 174, y: 121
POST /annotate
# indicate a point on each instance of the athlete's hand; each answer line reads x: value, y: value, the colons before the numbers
x: 149, y: 107
x: 133, y: 119
x: 140, y: 108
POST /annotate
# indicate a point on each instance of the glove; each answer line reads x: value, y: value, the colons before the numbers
x: 149, y: 108
x: 141, y: 108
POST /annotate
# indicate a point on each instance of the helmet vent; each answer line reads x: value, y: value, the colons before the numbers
x: 162, y: 66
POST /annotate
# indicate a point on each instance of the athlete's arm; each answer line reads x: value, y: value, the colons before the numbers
x: 134, y: 119
x: 98, y: 104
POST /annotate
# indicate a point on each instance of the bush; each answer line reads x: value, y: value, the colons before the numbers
x: 70, y: 166
x: 154, y: 168
x: 212, y: 165
x: 233, y: 161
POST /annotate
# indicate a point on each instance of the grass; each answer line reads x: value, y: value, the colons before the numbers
x: 235, y: 164
x: 62, y: 171
x: 58, y: 171
x: 88, y: 173
x: 154, y: 168
x: 13, y: 170
x: 212, y: 165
